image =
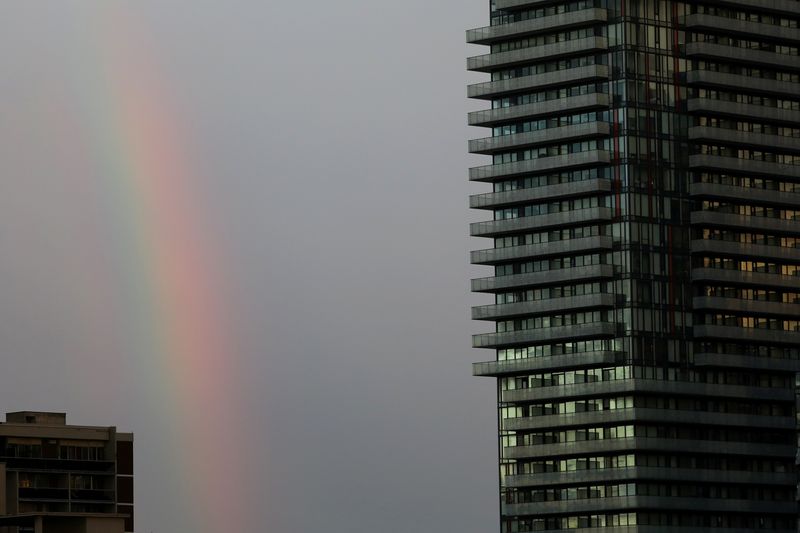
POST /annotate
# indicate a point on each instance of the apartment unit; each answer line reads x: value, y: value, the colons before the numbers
x: 59, y: 478
x: 643, y: 240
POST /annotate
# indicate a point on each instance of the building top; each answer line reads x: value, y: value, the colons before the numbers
x: 50, y: 424
x: 37, y: 417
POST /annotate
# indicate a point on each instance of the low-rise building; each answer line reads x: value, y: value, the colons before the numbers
x: 58, y: 478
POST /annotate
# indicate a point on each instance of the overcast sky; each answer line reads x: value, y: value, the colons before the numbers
x: 332, y: 137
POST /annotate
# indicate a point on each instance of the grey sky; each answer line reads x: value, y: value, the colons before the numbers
x: 332, y: 139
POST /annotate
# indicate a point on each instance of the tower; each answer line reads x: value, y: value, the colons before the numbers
x: 645, y: 247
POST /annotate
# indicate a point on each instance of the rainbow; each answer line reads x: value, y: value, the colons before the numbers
x: 171, y: 268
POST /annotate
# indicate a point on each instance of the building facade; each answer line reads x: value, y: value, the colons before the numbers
x: 645, y: 245
x: 63, y: 478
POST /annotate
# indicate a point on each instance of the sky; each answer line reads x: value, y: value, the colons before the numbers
x: 239, y: 230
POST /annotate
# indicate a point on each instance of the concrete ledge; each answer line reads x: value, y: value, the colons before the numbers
x: 561, y: 21
x: 541, y: 165
x: 494, y: 200
x: 742, y: 28
x: 562, y: 134
x: 492, y: 89
x: 575, y: 104
x: 544, y: 335
x: 532, y: 54
x: 546, y: 364
x: 577, y: 217
x: 732, y: 192
x: 539, y: 279
x: 552, y: 305
x: 749, y: 111
x: 742, y: 55
x: 737, y: 82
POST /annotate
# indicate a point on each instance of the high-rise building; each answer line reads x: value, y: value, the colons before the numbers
x: 645, y: 247
x: 61, y: 478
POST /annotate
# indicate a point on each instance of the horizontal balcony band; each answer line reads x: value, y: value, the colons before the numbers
x: 559, y: 106
x: 747, y: 222
x: 541, y: 279
x: 738, y: 277
x: 489, y: 90
x: 739, y: 55
x: 747, y: 167
x: 494, y: 256
x: 578, y: 217
x: 650, y: 386
x: 548, y: 24
x: 599, y: 505
x: 637, y: 415
x: 541, y: 165
x: 521, y: 4
x: 750, y: 194
x: 739, y: 110
x: 559, y: 135
x: 626, y: 445
x: 743, y: 250
x: 741, y: 83
x: 658, y: 529
x: 785, y: 7
x: 536, y: 54
x: 752, y: 335
x: 722, y: 360
x: 736, y: 305
x: 558, y: 191
x: 545, y: 335
x: 539, y: 307
x: 547, y: 364
x: 645, y: 473
x: 727, y: 137
x: 741, y: 28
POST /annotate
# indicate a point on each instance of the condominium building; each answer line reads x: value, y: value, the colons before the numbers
x: 58, y: 478
x: 644, y: 241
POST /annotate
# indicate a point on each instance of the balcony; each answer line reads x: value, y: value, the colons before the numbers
x: 739, y: 334
x: 735, y: 54
x: 520, y: 4
x: 541, y: 165
x: 629, y: 386
x: 559, y: 135
x: 730, y: 220
x: 558, y: 106
x: 736, y: 305
x: 738, y: 277
x: 560, y: 22
x: 746, y: 362
x: 605, y: 475
x: 577, y: 217
x: 548, y: 80
x: 601, y: 505
x: 741, y: 28
x: 547, y: 364
x: 743, y: 250
x: 747, y: 111
x: 782, y: 7
x: 540, y: 279
x: 750, y: 194
x: 746, y: 167
x: 539, y: 307
x: 493, y: 200
x: 611, y: 446
x: 544, y: 335
x: 535, y: 54
x: 493, y: 256
x: 661, y: 416
x: 736, y: 82
x: 771, y: 143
